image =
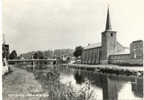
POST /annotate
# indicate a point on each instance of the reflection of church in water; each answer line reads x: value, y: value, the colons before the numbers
x: 112, y: 86
x: 111, y: 51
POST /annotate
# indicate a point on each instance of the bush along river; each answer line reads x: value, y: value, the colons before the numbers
x: 63, y: 83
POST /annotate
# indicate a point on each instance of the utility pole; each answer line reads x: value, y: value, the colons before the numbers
x: 33, y: 66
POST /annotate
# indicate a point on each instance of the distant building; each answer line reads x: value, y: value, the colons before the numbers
x: 110, y: 51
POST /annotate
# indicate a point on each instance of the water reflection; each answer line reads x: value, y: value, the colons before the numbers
x: 79, y: 78
x: 107, y: 87
x: 137, y: 87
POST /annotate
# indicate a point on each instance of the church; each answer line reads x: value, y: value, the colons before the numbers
x: 110, y: 51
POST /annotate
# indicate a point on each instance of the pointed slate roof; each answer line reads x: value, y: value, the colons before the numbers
x: 108, y: 21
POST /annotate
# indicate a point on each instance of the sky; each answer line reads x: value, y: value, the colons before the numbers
x: 31, y: 25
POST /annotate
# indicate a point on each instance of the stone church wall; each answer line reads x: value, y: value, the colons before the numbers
x: 138, y: 62
x: 91, y: 56
x: 120, y: 56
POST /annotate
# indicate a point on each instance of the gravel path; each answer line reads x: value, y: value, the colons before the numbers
x: 21, y: 85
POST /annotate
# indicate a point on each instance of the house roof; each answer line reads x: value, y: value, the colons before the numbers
x: 120, y: 49
x: 124, y: 51
x: 90, y: 46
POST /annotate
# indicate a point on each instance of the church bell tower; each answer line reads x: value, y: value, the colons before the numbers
x: 108, y: 40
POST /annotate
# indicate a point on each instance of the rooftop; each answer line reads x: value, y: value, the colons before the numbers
x: 95, y: 45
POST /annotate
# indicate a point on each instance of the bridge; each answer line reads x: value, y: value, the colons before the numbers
x: 30, y: 60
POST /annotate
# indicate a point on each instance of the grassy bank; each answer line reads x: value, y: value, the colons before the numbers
x: 21, y: 85
x: 109, y: 69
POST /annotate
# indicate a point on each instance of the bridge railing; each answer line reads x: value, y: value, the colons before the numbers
x: 30, y: 60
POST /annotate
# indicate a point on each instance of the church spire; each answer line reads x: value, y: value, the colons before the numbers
x: 108, y: 22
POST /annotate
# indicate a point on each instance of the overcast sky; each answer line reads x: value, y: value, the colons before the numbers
x: 48, y: 24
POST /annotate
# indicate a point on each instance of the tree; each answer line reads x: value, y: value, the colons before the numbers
x: 38, y: 55
x: 13, y: 55
x: 78, y: 51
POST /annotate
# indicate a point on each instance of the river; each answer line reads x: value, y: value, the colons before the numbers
x: 104, y: 86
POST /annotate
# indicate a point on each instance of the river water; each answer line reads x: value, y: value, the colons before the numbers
x: 104, y: 86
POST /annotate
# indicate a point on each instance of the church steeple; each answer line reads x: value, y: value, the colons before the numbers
x: 109, y: 40
x: 108, y: 21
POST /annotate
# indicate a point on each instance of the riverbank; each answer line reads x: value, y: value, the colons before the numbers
x: 21, y: 85
x: 112, y: 69
x: 24, y: 83
x: 28, y: 84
